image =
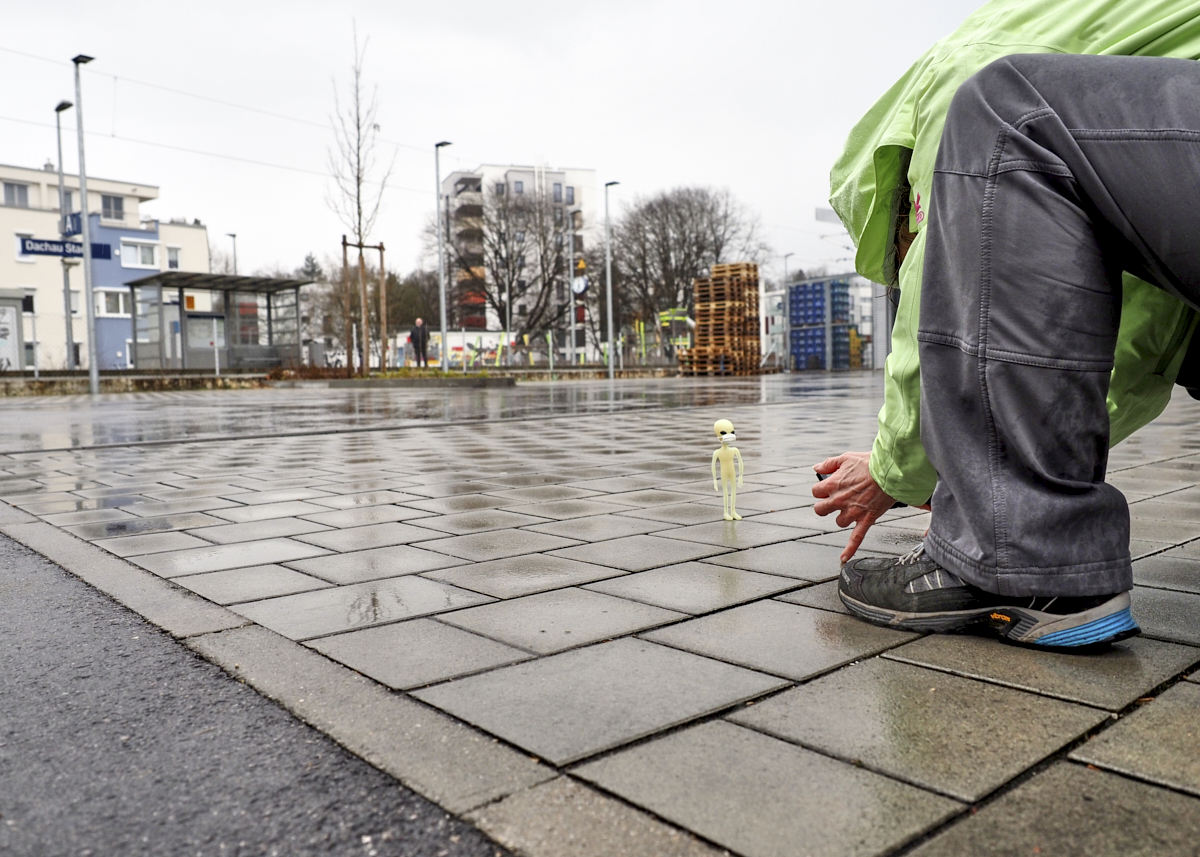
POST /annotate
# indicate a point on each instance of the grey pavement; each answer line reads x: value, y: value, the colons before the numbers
x: 524, y: 606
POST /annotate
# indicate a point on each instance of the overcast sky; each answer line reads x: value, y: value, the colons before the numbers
x: 755, y: 97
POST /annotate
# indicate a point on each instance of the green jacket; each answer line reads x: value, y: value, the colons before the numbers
x: 901, y: 133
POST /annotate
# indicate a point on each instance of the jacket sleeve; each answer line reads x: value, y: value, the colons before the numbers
x: 898, y: 460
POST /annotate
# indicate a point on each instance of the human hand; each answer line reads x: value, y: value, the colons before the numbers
x: 853, y: 493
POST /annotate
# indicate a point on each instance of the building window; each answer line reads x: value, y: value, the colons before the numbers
x: 16, y: 195
x: 173, y: 258
x: 68, y: 201
x: 112, y: 303
x: 139, y: 255
x: 27, y: 304
x: 518, y: 187
x: 570, y: 196
x: 522, y: 309
x: 558, y: 192
x: 75, y: 305
x: 521, y: 261
x: 499, y: 188
x: 519, y: 237
x: 112, y: 207
x: 558, y: 217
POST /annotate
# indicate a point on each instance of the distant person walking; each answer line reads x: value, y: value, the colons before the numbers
x: 419, y: 337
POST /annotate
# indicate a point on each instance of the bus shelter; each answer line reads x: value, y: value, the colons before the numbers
x: 183, y: 320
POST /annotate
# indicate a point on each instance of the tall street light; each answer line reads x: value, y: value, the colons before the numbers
x: 233, y: 235
x: 63, y: 232
x: 93, y: 365
x: 437, y: 166
x: 608, y: 278
x: 785, y: 270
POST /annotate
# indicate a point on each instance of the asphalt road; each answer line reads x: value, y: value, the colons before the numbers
x: 117, y: 740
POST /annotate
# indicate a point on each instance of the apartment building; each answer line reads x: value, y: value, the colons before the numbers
x: 570, y: 200
x: 47, y: 272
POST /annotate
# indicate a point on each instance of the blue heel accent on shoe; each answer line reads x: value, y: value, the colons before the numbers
x: 1096, y: 631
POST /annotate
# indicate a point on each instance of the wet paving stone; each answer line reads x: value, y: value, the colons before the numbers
x: 652, y: 497
x: 344, y: 608
x: 1167, y: 571
x: 367, y: 498
x: 460, y: 503
x: 521, y: 575
x: 763, y: 797
x: 1069, y: 809
x: 639, y: 553
x: 1159, y: 742
x: 249, y: 584
x: 877, y: 713
x: 562, y: 619
x: 694, y: 587
x: 803, y: 560
x: 92, y: 516
x: 562, y: 510
x: 879, y: 539
x: 617, y: 484
x: 287, y: 509
x: 126, y: 546
x: 739, y: 535
x: 373, y: 564
x: 269, y: 529
x: 1168, y: 614
x: 823, y: 596
x: 787, y: 640
x: 599, y: 528
x: 131, y: 526
x: 416, y: 652
x: 803, y: 518
x: 366, y: 515
x: 221, y: 557
x: 496, y: 544
x: 481, y: 521
x: 1154, y: 530
x: 1110, y: 679
x: 682, y: 514
x: 449, y: 489
x: 543, y: 493
x: 572, y: 705
x: 372, y: 536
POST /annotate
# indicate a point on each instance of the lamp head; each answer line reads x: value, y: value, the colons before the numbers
x: 82, y: 59
x: 63, y: 105
x: 443, y: 143
x: 610, y: 184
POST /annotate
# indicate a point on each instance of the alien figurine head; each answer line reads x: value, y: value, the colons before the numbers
x: 727, y: 455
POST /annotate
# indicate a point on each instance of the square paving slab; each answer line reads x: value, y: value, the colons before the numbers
x: 562, y: 619
x: 150, y: 543
x: 522, y: 575
x: 1159, y: 742
x: 1168, y: 614
x: 599, y: 528
x: 460, y: 503
x: 250, y: 531
x: 374, y: 564
x: 497, y: 544
x: 365, y: 498
x: 243, y: 514
x: 1071, y: 810
x: 480, y: 521
x: 416, y: 652
x: 640, y: 553
x: 572, y: 705
x: 372, y: 536
x: 694, y: 587
x: 220, y: 557
x: 365, y: 516
x: 736, y: 534
x: 1111, y: 679
x: 800, y: 559
x: 880, y: 540
x: 803, y: 518
x: 823, y: 596
x: 130, y: 526
x: 762, y: 797
x: 782, y: 639
x: 249, y: 584
x: 948, y: 734
x: 682, y: 514
x: 1168, y: 571
x: 562, y: 510
x: 652, y: 497
x: 344, y: 608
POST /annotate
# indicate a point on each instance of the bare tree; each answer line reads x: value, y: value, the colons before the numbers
x: 358, y: 175
x: 663, y: 242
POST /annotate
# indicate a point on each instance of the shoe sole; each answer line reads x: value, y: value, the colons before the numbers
x: 1106, y: 623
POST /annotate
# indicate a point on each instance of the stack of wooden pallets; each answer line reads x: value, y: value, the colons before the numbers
x: 727, y: 323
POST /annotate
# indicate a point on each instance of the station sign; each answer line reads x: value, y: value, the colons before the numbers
x: 51, y: 247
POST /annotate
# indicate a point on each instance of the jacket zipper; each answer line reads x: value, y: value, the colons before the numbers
x: 1181, y: 331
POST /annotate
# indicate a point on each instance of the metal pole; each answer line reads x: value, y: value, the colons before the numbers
x: 233, y: 235
x: 93, y: 363
x: 608, y: 277
x: 33, y: 319
x: 570, y: 274
x: 437, y: 165
x: 383, y: 335
x: 347, y: 320
x: 364, y: 309
x: 62, y: 230
x: 216, y: 350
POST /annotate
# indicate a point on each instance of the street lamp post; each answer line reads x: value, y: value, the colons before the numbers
x: 437, y: 166
x: 233, y: 235
x: 608, y: 278
x: 93, y: 364
x: 62, y: 231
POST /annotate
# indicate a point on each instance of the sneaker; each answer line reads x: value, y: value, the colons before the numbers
x: 915, y: 593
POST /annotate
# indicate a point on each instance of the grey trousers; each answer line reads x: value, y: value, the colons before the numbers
x: 1055, y: 174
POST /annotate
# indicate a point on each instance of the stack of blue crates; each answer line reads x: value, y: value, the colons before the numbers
x: 808, y: 315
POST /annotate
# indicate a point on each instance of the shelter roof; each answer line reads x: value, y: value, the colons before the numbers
x: 218, y: 282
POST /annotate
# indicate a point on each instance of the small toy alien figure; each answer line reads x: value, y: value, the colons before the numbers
x: 727, y: 454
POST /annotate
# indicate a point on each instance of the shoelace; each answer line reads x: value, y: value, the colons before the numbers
x: 913, y: 555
